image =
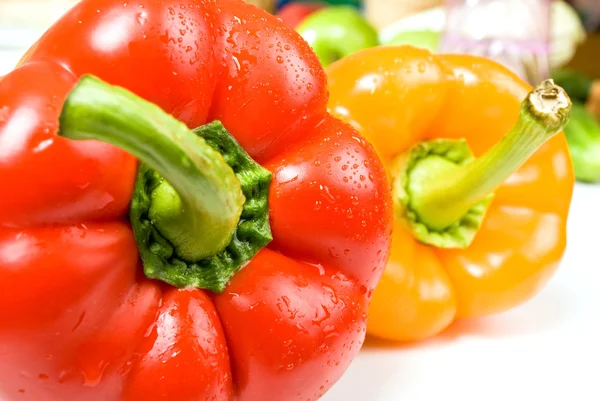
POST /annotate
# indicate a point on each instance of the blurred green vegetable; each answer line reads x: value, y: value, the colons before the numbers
x: 426, y: 39
x: 578, y: 86
x: 336, y: 32
x: 583, y: 136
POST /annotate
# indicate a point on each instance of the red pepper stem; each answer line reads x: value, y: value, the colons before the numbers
x: 199, y: 211
x: 444, y: 200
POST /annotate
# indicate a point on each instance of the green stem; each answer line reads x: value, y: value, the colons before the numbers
x: 199, y: 212
x: 444, y: 200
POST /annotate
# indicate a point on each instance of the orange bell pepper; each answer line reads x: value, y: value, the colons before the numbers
x: 475, y: 233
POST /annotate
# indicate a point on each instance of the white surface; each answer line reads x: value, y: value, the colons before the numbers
x: 8, y: 58
x: 548, y: 349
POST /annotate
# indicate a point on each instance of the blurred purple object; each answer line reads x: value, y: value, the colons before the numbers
x: 589, y: 11
x: 515, y: 33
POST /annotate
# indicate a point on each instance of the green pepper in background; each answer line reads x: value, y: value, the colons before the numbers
x: 583, y: 137
x: 336, y: 32
x: 426, y: 39
x: 577, y: 85
x: 354, y: 3
x: 583, y: 130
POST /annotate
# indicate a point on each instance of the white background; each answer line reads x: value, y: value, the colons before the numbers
x: 548, y: 349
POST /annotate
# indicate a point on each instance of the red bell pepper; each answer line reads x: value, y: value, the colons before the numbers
x: 241, y: 301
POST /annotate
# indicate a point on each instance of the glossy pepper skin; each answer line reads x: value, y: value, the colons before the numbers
x: 78, y: 320
x: 399, y: 96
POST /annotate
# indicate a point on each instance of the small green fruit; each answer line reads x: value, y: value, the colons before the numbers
x: 336, y: 32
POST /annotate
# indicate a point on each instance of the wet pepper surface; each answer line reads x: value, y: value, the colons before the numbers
x: 78, y: 320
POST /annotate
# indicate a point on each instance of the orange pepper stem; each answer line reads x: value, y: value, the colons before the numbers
x: 443, y: 192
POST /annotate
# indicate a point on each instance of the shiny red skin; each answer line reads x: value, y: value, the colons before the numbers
x: 78, y: 321
x: 294, y: 13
